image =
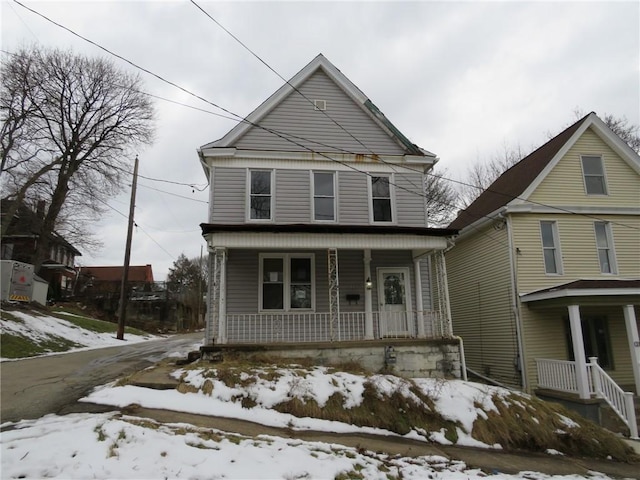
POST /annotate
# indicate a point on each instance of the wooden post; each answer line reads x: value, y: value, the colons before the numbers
x: 127, y: 257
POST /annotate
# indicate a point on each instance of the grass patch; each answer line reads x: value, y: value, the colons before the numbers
x: 17, y: 346
x: 94, y: 325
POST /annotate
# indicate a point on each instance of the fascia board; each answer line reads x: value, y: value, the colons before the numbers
x: 578, y: 292
x: 572, y: 209
x: 481, y: 223
x: 617, y: 144
x: 332, y: 240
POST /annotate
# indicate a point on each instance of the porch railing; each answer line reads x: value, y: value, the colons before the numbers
x: 316, y: 327
x: 560, y: 375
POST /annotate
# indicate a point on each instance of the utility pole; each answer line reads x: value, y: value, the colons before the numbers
x: 127, y: 257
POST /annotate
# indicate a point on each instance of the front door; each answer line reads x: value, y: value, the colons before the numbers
x: 394, y: 294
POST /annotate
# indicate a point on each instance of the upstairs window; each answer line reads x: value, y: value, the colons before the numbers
x: 593, y: 172
x: 324, y: 198
x: 381, y: 199
x: 260, y: 194
x: 550, y: 247
x: 604, y: 243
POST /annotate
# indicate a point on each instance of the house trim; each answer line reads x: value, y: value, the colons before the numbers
x: 567, y: 291
x: 582, y: 210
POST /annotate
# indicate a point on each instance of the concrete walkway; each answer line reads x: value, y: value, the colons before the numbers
x: 490, y: 461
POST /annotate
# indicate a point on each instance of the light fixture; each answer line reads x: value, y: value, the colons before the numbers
x: 368, y: 283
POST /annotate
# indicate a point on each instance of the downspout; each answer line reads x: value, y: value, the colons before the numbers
x: 463, y: 361
x: 516, y: 304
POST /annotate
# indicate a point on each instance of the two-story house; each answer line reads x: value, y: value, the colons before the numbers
x: 545, y: 273
x: 21, y: 238
x: 317, y: 227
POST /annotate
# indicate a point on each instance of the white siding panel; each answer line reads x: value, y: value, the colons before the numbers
x: 293, y: 204
x: 228, y: 195
x: 353, y: 198
x: 296, y: 117
x: 409, y: 198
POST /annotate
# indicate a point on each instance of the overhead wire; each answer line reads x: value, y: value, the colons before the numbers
x: 287, y: 137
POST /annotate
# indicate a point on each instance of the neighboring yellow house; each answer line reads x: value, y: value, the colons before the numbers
x: 545, y: 273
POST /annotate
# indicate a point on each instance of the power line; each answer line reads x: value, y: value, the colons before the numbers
x: 288, y: 137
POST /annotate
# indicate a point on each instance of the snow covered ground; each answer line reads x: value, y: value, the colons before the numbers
x: 42, y: 328
x: 117, y: 446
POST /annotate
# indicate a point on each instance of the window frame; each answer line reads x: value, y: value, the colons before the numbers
x: 286, y: 282
x: 557, y: 252
x: 392, y: 200
x: 603, y: 176
x: 272, y: 195
x: 314, y: 196
x: 608, y: 232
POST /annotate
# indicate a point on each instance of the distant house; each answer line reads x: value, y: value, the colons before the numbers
x: 21, y: 239
x: 545, y: 273
x: 109, y: 278
x: 317, y: 228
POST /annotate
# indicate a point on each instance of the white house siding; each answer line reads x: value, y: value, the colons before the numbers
x: 481, y: 299
x: 296, y: 116
x: 565, y: 185
x: 292, y: 193
x: 229, y: 185
x: 578, y: 248
x: 409, y: 194
x: 353, y: 196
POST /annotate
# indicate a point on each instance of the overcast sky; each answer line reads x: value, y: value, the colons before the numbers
x: 460, y: 79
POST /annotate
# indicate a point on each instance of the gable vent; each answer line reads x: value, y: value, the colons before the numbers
x: 319, y: 104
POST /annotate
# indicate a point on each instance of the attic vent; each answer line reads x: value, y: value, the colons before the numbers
x: 320, y: 105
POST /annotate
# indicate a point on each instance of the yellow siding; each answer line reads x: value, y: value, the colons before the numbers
x: 481, y: 299
x: 564, y: 185
x: 577, y: 246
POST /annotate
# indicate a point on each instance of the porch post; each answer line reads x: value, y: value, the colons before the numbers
x: 212, y: 299
x: 634, y: 342
x: 368, y: 302
x: 578, y: 351
x: 334, y: 294
x: 419, y: 303
x: 444, y: 308
x: 218, y: 302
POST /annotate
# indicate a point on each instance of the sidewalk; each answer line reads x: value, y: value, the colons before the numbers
x: 489, y: 460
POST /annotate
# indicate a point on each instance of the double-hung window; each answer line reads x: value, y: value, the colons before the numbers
x: 604, y: 244
x: 324, y: 197
x: 550, y: 247
x: 381, y: 198
x: 260, y: 187
x: 286, y: 282
x: 593, y: 172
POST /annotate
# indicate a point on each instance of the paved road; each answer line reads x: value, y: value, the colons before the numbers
x: 35, y: 387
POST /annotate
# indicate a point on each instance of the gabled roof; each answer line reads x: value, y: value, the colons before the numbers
x: 28, y: 223
x: 320, y: 62
x: 137, y: 273
x: 518, y: 181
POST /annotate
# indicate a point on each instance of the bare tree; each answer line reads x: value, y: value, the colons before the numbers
x: 69, y: 127
x: 482, y: 174
x: 440, y: 198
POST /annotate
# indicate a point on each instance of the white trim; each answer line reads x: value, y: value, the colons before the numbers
x: 301, y: 160
x: 357, y: 241
x: 312, y: 192
x: 580, y: 209
x: 380, y: 271
x: 578, y: 292
x: 392, y: 199
x: 286, y: 281
x: 272, y: 194
x: 604, y: 176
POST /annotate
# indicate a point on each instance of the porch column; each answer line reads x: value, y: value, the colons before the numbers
x: 444, y: 308
x: 334, y: 294
x: 368, y: 301
x: 218, y: 302
x: 210, y: 328
x: 582, y: 380
x: 634, y: 342
x: 419, y: 304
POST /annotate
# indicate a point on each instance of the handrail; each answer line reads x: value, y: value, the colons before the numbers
x: 621, y: 402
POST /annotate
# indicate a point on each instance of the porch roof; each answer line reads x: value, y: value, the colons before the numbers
x: 587, y: 290
x: 383, y: 237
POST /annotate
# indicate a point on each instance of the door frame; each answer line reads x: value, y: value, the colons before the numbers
x: 380, y: 271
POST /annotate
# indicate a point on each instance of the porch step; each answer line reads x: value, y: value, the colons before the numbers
x: 611, y: 421
x: 212, y: 353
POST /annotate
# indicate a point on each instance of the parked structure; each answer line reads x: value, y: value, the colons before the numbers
x: 545, y: 274
x: 317, y: 226
x: 19, y: 243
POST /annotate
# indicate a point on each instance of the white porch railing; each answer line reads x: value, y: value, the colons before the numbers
x: 262, y: 328
x: 560, y: 375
